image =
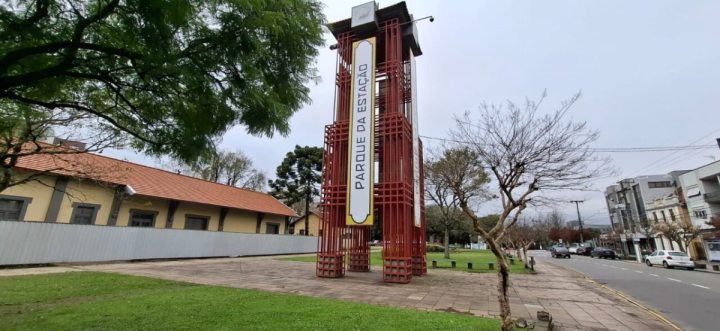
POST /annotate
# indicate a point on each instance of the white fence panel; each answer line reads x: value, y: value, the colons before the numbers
x: 35, y: 242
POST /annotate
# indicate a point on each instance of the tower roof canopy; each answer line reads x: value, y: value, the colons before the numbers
x: 399, y: 11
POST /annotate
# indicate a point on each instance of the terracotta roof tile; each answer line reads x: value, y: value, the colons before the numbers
x: 153, y: 182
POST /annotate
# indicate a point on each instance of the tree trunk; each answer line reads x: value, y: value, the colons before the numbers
x: 502, y: 286
x: 524, y: 251
x: 307, y: 213
x: 446, y: 241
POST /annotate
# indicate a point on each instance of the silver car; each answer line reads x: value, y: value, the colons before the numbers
x: 670, y: 259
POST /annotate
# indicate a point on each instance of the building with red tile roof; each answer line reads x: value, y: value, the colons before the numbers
x: 88, y: 188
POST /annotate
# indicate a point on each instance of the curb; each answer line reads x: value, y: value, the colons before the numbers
x: 707, y: 271
x: 696, y: 268
x: 626, y: 298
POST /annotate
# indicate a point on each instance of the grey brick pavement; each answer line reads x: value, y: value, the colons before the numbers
x: 574, y: 302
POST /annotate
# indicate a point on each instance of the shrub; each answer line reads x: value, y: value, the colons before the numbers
x: 432, y: 248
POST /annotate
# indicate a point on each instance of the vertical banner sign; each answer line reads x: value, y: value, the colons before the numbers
x: 416, y: 143
x: 361, y: 142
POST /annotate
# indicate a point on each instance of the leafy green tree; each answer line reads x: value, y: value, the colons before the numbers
x: 299, y: 177
x: 166, y: 76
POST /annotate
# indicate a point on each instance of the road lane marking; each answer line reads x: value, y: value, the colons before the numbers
x: 604, y: 265
x: 654, y: 275
x: 700, y: 286
x: 675, y: 280
x: 623, y: 268
x: 638, y: 271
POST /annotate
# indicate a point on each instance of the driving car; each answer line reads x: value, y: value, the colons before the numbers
x: 602, y: 252
x: 670, y: 259
x: 559, y: 251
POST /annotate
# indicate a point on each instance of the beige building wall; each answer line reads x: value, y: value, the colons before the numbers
x: 314, y: 225
x: 240, y: 221
x: 142, y: 203
x: 91, y: 192
x: 276, y: 219
x: 187, y: 208
x: 86, y: 191
x: 40, y: 191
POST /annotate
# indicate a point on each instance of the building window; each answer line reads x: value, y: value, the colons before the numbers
x: 142, y: 218
x: 84, y: 213
x: 662, y: 212
x: 672, y: 215
x: 655, y: 216
x: 12, y: 208
x: 659, y: 184
x: 700, y: 213
x: 194, y: 222
x: 272, y: 228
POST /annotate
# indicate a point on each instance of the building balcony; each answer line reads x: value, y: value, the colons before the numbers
x: 712, y: 196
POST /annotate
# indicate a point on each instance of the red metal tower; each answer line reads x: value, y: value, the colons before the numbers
x: 373, y: 158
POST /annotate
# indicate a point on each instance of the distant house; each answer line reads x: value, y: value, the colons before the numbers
x: 297, y: 225
x: 92, y: 189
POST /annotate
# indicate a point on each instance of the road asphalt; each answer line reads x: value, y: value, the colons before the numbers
x: 691, y: 299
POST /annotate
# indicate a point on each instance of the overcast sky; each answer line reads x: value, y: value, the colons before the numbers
x: 649, y: 72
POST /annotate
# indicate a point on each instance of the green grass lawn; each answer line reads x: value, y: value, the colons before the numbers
x: 462, y: 256
x: 103, y: 301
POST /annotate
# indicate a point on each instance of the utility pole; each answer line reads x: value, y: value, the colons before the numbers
x: 577, y: 206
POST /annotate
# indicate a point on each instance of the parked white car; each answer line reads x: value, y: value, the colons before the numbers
x: 670, y: 259
x: 573, y: 248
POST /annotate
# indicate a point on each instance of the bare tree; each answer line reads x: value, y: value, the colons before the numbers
x: 25, y: 132
x: 527, y: 153
x: 681, y: 232
x: 715, y: 223
x: 230, y: 168
x: 648, y: 229
x: 453, y: 165
x: 521, y: 236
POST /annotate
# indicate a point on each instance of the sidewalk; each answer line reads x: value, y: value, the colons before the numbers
x: 574, y: 302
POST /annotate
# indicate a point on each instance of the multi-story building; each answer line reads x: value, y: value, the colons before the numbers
x: 626, y: 202
x: 701, y: 189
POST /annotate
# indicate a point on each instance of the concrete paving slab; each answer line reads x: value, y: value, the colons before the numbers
x: 574, y: 302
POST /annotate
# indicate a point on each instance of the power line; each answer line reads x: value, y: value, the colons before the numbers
x: 662, y: 159
x: 613, y: 149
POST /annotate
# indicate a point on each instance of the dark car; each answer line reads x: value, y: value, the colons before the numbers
x: 603, y: 253
x: 559, y: 251
x: 584, y: 251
